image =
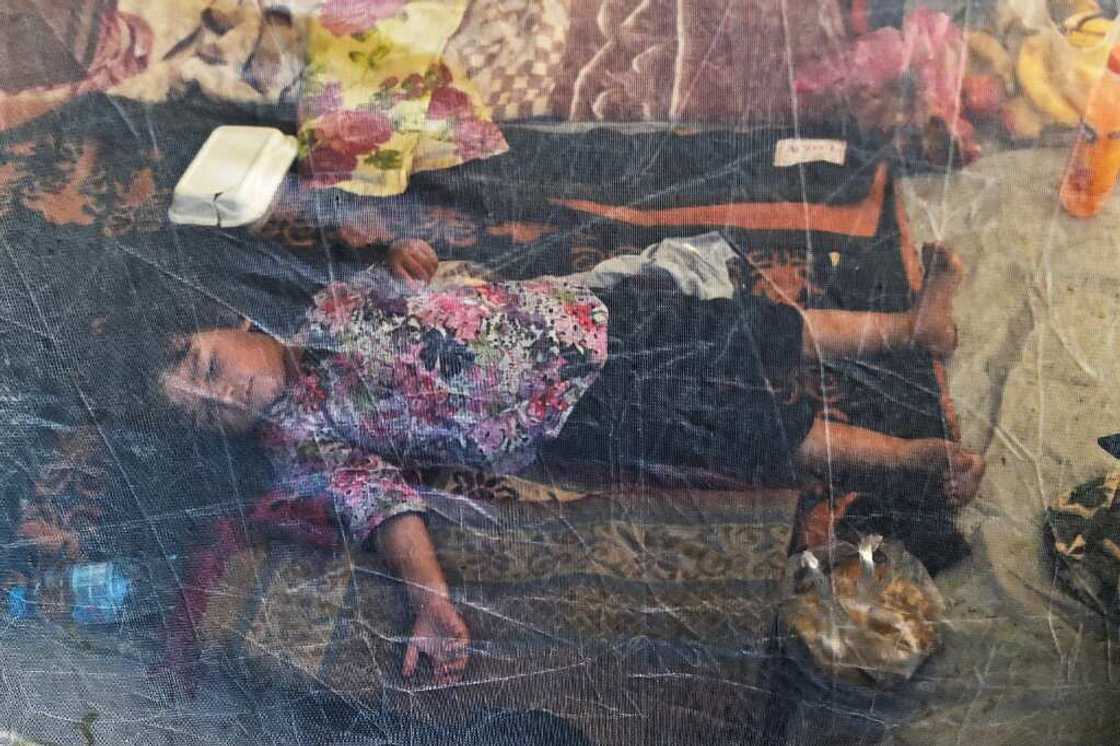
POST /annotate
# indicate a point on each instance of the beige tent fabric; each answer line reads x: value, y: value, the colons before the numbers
x: 1034, y: 382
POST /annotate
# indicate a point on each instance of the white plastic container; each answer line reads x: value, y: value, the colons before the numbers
x: 234, y: 177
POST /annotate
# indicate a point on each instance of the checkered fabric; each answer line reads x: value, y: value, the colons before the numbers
x: 512, y: 50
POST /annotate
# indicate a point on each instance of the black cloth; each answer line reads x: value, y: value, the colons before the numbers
x: 691, y: 385
x: 657, y: 170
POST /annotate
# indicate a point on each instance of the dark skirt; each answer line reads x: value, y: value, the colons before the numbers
x: 691, y: 385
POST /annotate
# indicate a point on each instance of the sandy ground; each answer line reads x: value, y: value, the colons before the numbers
x: 1035, y: 384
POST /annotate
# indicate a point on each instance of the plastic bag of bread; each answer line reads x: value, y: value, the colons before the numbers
x: 865, y: 614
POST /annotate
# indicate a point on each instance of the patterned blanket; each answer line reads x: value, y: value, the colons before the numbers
x: 649, y: 589
x: 654, y: 604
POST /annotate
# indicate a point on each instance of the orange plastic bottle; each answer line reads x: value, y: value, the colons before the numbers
x: 1091, y: 174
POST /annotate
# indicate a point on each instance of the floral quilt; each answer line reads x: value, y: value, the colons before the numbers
x: 379, y: 103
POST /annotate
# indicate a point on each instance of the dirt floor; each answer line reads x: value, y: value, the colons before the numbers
x: 1034, y: 382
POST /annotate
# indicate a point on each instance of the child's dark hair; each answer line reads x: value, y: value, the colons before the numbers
x: 160, y: 445
x: 129, y: 353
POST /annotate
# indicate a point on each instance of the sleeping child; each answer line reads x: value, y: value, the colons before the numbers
x: 390, y: 374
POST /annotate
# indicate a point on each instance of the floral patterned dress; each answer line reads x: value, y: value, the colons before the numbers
x: 394, y: 379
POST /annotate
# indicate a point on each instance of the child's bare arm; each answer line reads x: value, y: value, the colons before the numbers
x: 405, y: 544
x: 359, y: 226
x: 438, y: 631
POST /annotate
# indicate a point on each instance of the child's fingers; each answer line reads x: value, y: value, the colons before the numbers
x: 416, y: 270
x: 421, y: 265
x: 414, y: 259
x: 456, y: 668
x: 411, y: 657
x: 418, y: 246
x: 450, y: 673
x: 456, y: 656
x: 456, y: 662
x: 451, y: 660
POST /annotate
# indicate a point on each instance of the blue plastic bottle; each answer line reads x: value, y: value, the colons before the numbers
x: 91, y: 593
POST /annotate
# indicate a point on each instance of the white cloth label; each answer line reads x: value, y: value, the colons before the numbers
x: 792, y: 151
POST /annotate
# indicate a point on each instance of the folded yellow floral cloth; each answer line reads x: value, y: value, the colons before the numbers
x: 378, y: 103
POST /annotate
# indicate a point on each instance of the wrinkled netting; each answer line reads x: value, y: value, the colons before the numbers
x: 647, y: 616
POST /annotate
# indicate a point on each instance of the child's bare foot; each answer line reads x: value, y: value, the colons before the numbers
x: 963, y: 474
x: 960, y: 470
x: 934, y: 329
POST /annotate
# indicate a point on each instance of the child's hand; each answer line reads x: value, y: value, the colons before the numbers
x: 441, y: 634
x: 413, y: 259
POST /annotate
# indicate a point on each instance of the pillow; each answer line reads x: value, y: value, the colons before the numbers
x: 513, y: 50
x: 379, y: 104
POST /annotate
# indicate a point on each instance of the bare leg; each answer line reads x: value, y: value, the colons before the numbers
x: 929, y: 324
x: 839, y: 334
x: 844, y: 446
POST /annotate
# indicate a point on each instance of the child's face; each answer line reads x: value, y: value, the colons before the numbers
x: 227, y: 377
